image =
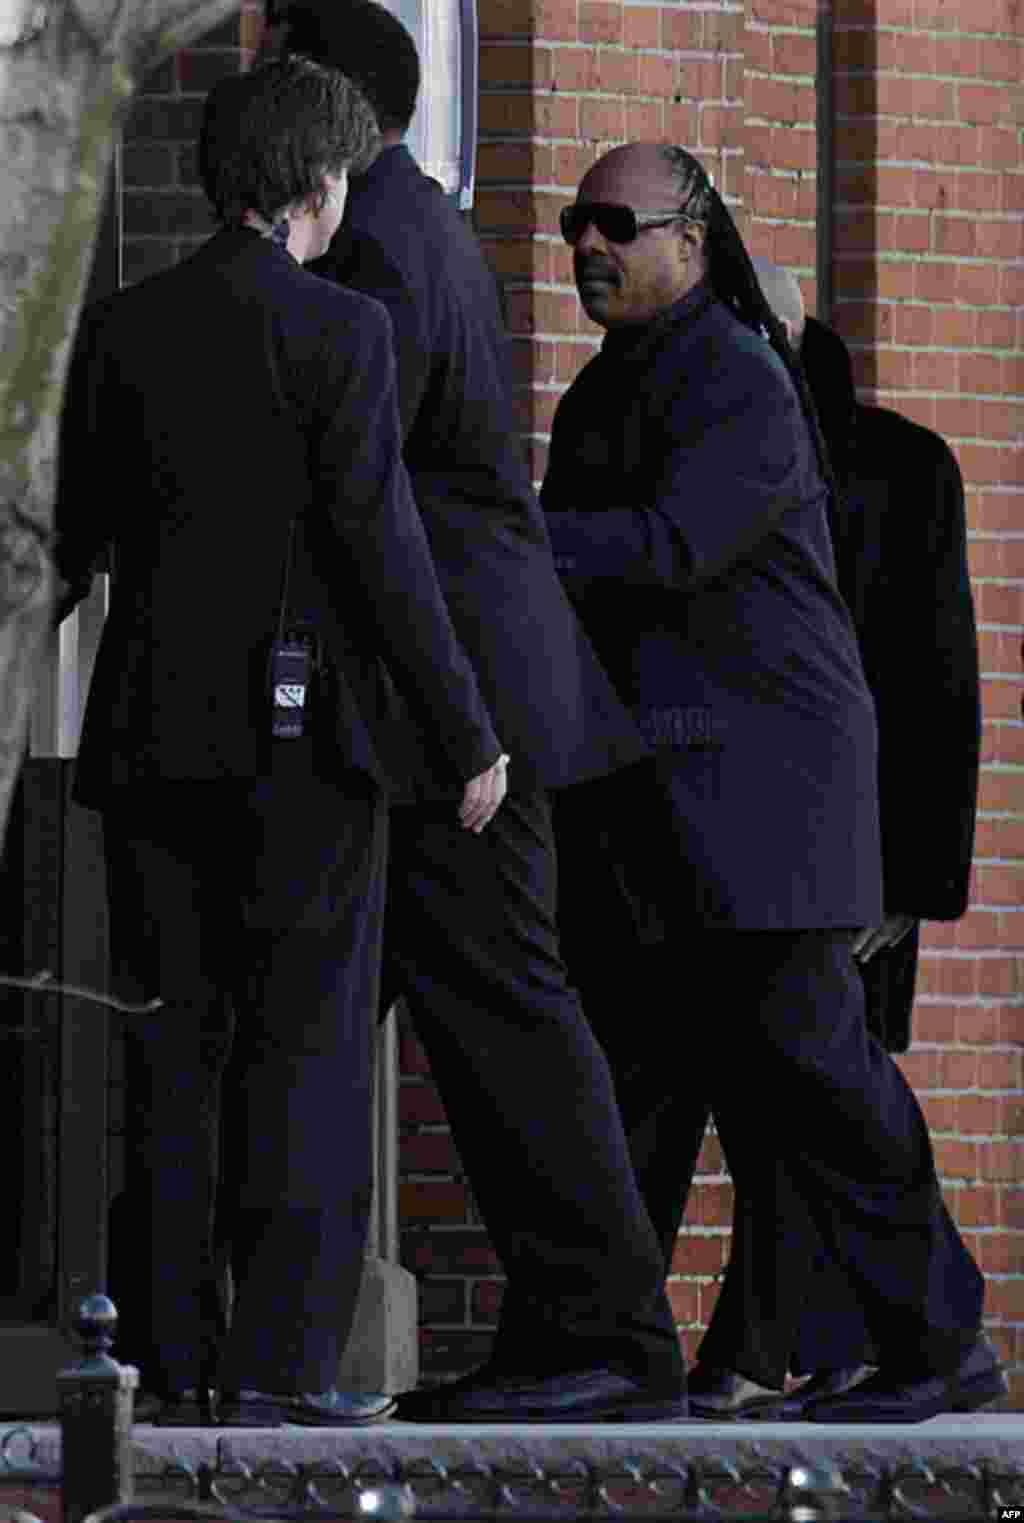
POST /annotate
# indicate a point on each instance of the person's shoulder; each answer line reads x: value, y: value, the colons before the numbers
x: 395, y: 187
x: 889, y: 445
x: 886, y: 430
x: 127, y: 317
x: 328, y: 304
x: 408, y: 216
x: 726, y: 358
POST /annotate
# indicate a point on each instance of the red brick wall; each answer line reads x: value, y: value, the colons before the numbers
x: 165, y: 213
x: 928, y: 288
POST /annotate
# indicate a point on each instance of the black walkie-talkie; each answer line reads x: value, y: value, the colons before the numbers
x: 293, y: 667
x: 292, y: 671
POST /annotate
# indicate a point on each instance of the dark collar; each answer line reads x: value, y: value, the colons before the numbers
x: 632, y: 342
x: 393, y: 162
x: 227, y: 242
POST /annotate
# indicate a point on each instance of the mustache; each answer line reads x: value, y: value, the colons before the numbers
x: 594, y: 268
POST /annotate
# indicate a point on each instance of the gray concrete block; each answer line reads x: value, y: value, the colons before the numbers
x: 383, y: 1351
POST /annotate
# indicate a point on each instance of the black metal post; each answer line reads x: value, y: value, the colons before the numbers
x: 95, y: 1397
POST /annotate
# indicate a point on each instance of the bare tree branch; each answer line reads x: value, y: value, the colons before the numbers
x: 45, y: 983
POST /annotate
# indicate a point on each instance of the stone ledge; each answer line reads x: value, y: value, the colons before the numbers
x: 992, y: 1439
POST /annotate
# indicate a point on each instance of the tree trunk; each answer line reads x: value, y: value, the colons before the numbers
x: 68, y: 69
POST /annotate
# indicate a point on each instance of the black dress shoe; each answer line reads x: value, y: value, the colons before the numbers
x: 898, y: 1398
x: 725, y: 1396
x: 581, y: 1396
x: 329, y: 1409
x: 823, y: 1383
x: 419, y: 1406
x: 184, y: 1409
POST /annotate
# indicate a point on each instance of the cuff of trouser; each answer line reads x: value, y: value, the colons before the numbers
x: 932, y: 1352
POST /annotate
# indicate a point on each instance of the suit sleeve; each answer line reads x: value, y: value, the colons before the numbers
x: 732, y: 467
x: 364, y: 266
x: 921, y: 660
x: 359, y: 469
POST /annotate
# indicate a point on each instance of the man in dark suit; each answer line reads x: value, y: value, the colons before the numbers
x: 900, y: 536
x: 899, y: 531
x: 470, y: 937
x: 687, y: 504
x: 900, y: 539
x: 231, y: 430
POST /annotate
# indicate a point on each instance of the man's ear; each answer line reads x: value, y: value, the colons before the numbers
x: 693, y: 237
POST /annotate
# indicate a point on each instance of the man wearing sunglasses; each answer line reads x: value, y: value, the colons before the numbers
x: 707, y: 912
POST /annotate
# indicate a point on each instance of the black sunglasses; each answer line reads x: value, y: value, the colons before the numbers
x: 619, y: 224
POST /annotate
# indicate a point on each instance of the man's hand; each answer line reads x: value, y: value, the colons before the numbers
x: 874, y: 937
x: 483, y: 795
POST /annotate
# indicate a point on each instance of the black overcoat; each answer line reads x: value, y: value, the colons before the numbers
x: 901, y: 556
x: 686, y: 509
x: 404, y: 243
x: 215, y: 400
x: 901, y: 548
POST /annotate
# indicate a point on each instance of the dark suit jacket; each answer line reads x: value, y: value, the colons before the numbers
x: 901, y: 555
x: 554, y: 709
x: 206, y: 405
x: 685, y: 506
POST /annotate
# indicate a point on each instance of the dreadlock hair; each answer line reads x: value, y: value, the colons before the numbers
x: 734, y: 281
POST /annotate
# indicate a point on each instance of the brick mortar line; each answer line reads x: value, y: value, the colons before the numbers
x: 945, y: 33
x: 946, y: 166
x: 970, y: 80
x: 777, y: 121
x: 568, y: 44
x: 957, y: 213
x: 540, y: 140
x: 1009, y: 217
x: 582, y: 93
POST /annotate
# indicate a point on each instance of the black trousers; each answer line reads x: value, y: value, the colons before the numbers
x: 256, y: 916
x: 470, y: 941
x: 827, y: 1146
x: 833, y: 1331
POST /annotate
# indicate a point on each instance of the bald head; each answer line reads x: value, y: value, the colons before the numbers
x: 782, y: 294
x: 636, y: 160
x: 627, y: 279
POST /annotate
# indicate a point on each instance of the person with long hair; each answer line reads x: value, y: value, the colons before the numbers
x: 708, y: 913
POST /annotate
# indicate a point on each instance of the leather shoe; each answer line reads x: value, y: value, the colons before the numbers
x: 725, y: 1396
x: 821, y: 1384
x: 419, y: 1406
x: 182, y: 1409
x: 897, y: 1398
x: 329, y: 1409
x: 580, y: 1396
